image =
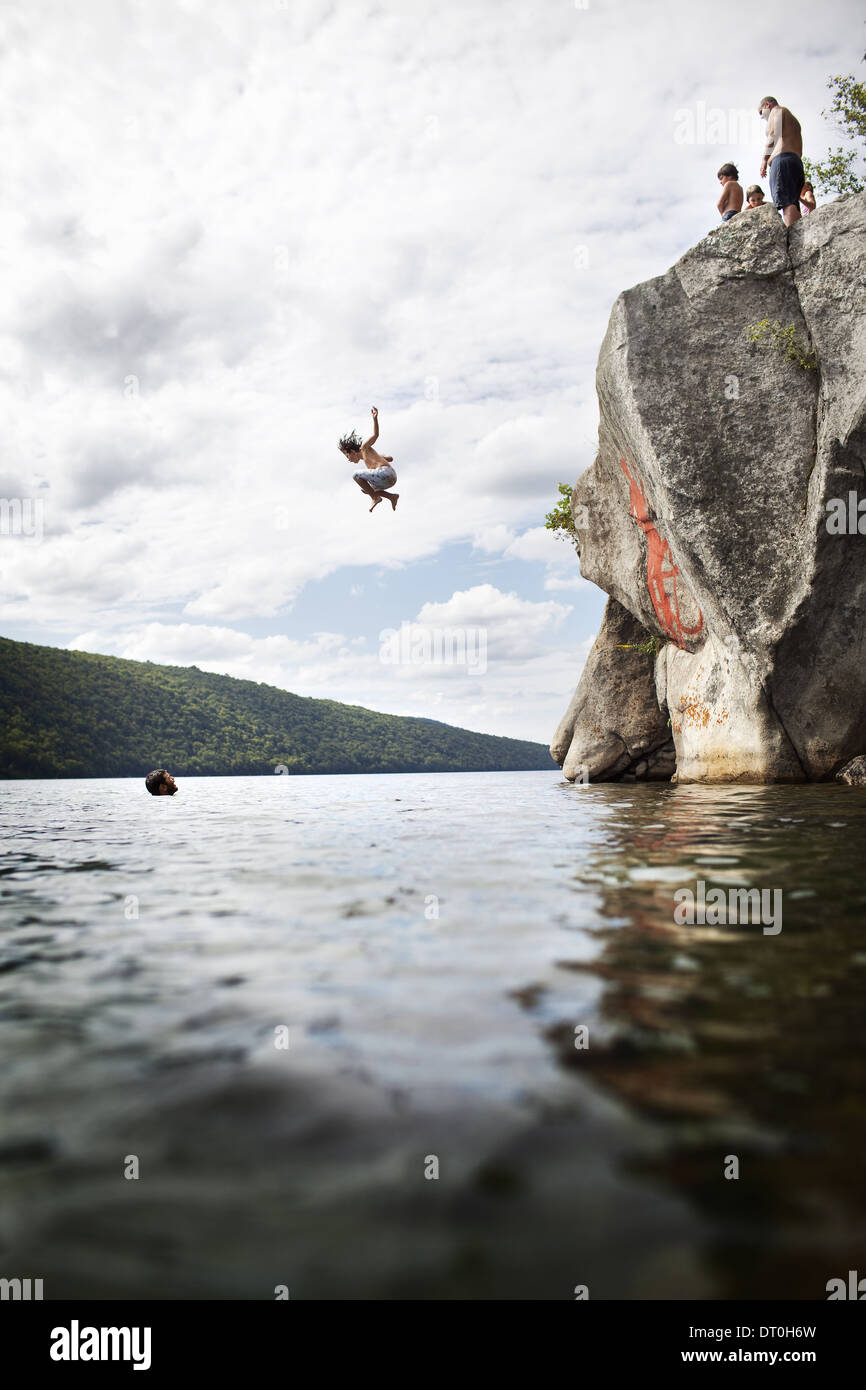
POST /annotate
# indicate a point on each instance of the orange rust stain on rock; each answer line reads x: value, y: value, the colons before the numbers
x: 660, y: 568
x: 694, y: 713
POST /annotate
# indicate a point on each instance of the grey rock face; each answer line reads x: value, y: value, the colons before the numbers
x: 624, y: 733
x: 854, y: 773
x: 705, y: 513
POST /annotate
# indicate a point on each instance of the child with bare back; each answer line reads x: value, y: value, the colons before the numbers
x: 731, y: 201
x: 378, y: 476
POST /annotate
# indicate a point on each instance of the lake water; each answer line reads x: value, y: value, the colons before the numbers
x: 430, y: 943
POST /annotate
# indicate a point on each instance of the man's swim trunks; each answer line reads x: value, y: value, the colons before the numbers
x: 726, y: 216
x: 786, y: 180
x: 379, y: 479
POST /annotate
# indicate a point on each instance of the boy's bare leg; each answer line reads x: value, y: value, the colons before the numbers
x: 370, y: 491
x: 377, y: 496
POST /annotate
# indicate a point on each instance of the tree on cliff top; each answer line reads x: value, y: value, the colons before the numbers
x: 843, y: 170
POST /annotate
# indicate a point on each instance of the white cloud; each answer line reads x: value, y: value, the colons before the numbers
x: 516, y: 628
x: 553, y: 584
x: 517, y: 691
x: 236, y: 227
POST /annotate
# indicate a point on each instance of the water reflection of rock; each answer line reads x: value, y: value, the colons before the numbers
x: 733, y: 1042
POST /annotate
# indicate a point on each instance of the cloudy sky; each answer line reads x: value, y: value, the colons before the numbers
x: 232, y: 226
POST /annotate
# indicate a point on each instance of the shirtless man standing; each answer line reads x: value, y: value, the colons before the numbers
x: 783, y: 155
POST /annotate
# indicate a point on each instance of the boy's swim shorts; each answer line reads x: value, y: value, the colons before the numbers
x: 379, y: 479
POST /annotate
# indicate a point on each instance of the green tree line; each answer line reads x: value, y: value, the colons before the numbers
x: 75, y: 714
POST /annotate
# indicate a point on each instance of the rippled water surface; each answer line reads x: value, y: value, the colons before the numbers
x: 430, y: 943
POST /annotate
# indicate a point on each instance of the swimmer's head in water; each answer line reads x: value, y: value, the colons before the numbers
x: 160, y: 783
x: 350, y: 445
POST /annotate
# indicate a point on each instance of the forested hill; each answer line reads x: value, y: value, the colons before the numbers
x: 73, y: 714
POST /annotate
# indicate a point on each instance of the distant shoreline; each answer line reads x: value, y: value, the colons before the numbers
x: 67, y: 714
x: 207, y: 776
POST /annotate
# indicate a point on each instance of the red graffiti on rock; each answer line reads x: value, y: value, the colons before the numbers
x: 661, y: 572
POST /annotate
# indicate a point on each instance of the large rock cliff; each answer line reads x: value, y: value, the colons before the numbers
x: 721, y: 513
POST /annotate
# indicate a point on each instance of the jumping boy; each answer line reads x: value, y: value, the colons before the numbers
x: 731, y: 201
x: 378, y: 476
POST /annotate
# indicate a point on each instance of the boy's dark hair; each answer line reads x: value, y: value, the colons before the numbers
x: 153, y: 780
x: 351, y: 443
x: 730, y: 170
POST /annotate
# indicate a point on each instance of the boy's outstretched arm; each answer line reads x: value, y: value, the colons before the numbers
x: 375, y: 435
